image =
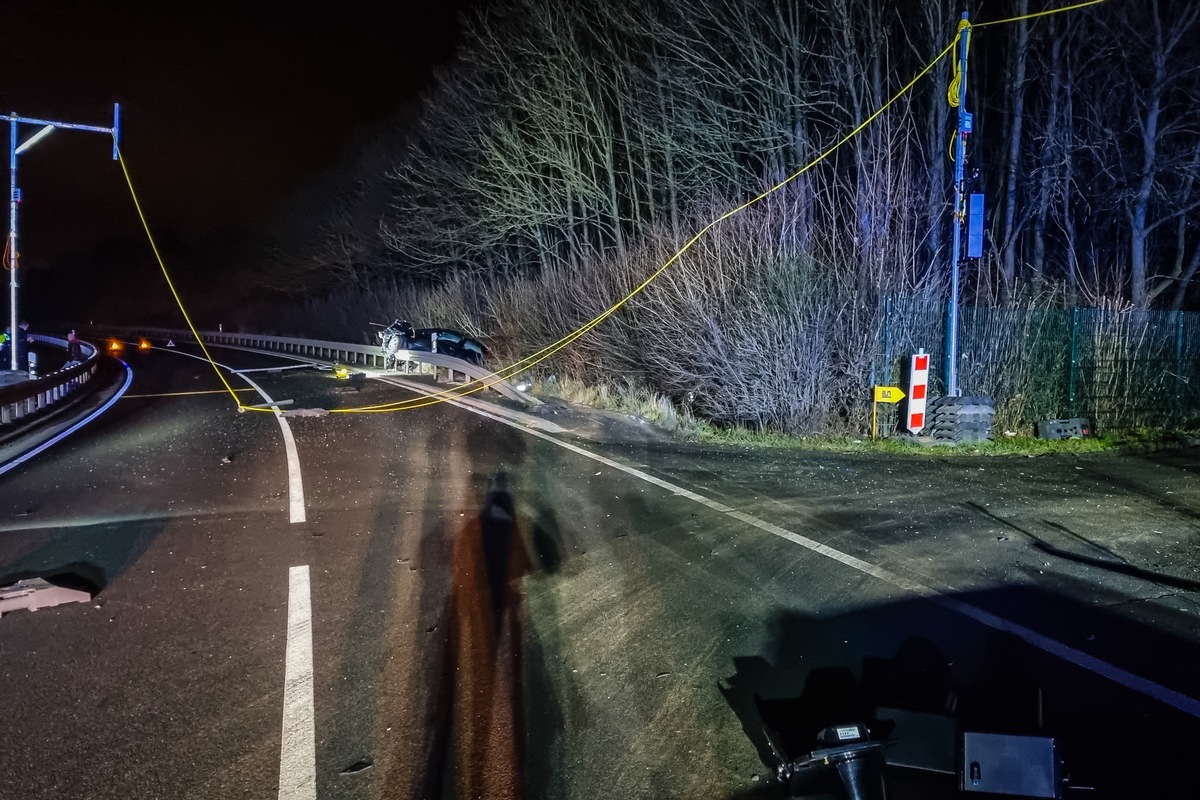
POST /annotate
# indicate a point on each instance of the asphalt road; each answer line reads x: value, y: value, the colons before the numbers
x: 470, y: 606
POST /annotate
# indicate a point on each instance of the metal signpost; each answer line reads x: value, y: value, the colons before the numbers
x: 14, y: 197
x: 883, y: 394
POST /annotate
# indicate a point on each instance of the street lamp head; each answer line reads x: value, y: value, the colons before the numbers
x: 32, y: 140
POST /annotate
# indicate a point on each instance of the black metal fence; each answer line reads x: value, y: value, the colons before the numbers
x: 1120, y: 368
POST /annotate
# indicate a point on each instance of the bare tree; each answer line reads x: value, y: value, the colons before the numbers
x: 1155, y: 86
x: 1016, y: 122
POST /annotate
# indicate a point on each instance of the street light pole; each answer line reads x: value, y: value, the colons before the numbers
x: 960, y: 156
x: 14, y: 195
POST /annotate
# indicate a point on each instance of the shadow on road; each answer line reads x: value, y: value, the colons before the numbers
x: 920, y: 675
x: 85, y: 557
x: 475, y: 746
x: 1110, y: 562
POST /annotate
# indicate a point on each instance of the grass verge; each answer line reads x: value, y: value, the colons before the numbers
x: 1116, y: 441
x: 662, y: 412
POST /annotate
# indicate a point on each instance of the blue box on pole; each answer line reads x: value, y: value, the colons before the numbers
x: 975, y: 226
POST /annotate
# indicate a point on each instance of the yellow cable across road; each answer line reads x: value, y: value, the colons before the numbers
x: 182, y: 394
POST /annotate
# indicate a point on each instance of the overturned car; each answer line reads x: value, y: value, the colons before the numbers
x: 401, y: 335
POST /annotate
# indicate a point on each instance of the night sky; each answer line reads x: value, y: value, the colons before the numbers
x: 227, y: 108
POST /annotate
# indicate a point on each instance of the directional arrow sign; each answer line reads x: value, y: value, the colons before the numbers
x: 888, y: 394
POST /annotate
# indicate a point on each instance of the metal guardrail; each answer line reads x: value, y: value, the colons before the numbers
x: 334, y: 352
x: 22, y: 397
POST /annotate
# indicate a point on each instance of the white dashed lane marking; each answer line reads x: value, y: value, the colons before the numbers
x: 298, y: 751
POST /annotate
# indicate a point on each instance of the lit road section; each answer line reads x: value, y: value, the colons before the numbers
x: 298, y: 752
x: 296, y: 508
x: 1148, y: 688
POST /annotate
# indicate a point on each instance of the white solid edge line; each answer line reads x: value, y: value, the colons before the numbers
x: 297, y: 750
x: 296, y: 509
x: 475, y: 405
x: 58, y: 437
x: 1129, y: 680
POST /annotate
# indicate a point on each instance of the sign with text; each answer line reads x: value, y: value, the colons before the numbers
x: 888, y: 394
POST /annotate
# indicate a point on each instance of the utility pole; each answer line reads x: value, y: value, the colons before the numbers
x: 14, y: 196
x: 960, y: 157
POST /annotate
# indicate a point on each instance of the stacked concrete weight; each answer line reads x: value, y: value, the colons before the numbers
x: 961, y: 419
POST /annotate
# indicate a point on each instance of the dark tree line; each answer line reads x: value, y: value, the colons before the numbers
x: 572, y: 148
x: 565, y: 131
x: 1102, y: 138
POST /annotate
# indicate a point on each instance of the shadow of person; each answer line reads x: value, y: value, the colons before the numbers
x: 479, y: 727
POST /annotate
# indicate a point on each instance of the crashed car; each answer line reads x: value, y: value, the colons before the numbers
x: 448, y: 342
x: 400, y: 335
x: 392, y: 340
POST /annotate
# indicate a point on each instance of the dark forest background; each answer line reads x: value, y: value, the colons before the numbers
x: 572, y: 148
x: 572, y: 133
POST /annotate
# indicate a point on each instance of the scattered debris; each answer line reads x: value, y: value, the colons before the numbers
x: 305, y: 412
x: 35, y: 593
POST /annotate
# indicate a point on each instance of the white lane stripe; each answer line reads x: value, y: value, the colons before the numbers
x: 1137, y: 683
x: 298, y: 749
x: 475, y: 405
x: 1122, y: 677
x: 837, y: 555
x: 28, y: 454
x: 296, y: 509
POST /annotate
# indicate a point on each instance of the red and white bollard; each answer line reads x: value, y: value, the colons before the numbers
x: 918, y: 388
